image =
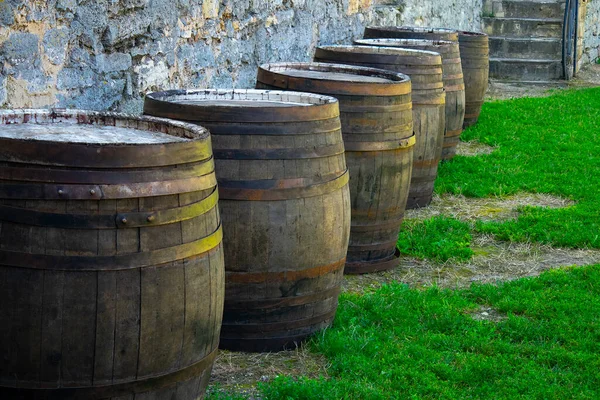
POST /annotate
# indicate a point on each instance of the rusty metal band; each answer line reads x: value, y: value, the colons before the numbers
x: 455, y: 88
x: 449, y: 145
x: 279, y: 154
x: 278, y: 80
x: 375, y: 246
x: 280, y: 302
x: 346, y: 109
x: 381, y: 146
x: 275, y: 326
x: 274, y: 129
x: 371, y: 214
x: 453, y: 133
x: 29, y: 217
x: 283, y: 189
x: 104, y: 176
x: 474, y: 115
x: 163, y: 107
x: 425, y: 164
x: 416, y: 72
x: 85, y: 155
x: 105, y: 192
x: 366, y: 267
x: 112, y: 391
x: 393, y: 224
x: 111, y: 263
x: 283, y: 276
x: 474, y: 103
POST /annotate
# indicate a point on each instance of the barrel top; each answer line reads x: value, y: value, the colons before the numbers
x: 89, y: 127
x: 66, y: 132
x: 390, y: 51
x: 93, y: 139
x: 411, y: 32
x: 240, y: 105
x: 467, y: 33
x: 397, y: 42
x: 334, y: 79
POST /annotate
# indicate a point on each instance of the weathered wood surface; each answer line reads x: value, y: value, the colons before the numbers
x: 428, y: 100
x: 475, y: 56
x: 285, y: 204
x: 453, y: 82
x: 376, y: 116
x: 111, y: 274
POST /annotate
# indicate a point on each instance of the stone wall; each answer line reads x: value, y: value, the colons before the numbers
x: 105, y: 54
x: 591, y: 31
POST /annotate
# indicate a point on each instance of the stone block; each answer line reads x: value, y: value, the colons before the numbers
x: 55, y: 45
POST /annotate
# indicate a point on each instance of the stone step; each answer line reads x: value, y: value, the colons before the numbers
x: 523, y: 9
x: 533, y: 48
x: 523, y: 27
x: 525, y: 70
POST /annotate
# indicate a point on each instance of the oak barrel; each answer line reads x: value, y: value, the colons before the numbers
x: 454, y: 84
x: 410, y: 32
x: 475, y: 56
x: 376, y: 116
x: 285, y: 204
x: 111, y: 263
x: 428, y: 99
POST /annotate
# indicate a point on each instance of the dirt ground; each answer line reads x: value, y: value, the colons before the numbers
x: 493, y: 261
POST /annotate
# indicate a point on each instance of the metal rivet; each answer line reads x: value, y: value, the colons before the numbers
x: 60, y: 192
x: 124, y: 220
x: 92, y: 192
x: 150, y: 218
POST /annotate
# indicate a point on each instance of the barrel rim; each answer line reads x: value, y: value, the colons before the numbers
x: 405, y: 42
x: 397, y: 83
x: 369, y: 49
x: 416, y: 29
x: 196, y: 147
x: 80, y: 116
x: 472, y: 33
x: 162, y: 103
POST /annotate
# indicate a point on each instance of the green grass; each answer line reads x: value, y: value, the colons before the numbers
x: 439, y: 238
x: 545, y: 145
x: 403, y: 343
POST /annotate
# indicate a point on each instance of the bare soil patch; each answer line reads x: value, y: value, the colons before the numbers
x: 491, y: 208
x: 473, y: 148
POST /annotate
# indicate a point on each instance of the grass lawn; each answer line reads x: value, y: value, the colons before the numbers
x: 540, y: 338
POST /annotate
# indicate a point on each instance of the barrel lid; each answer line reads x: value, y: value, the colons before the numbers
x: 409, y: 43
x: 335, y: 79
x: 99, y: 140
x: 240, y: 105
x: 384, y: 55
x: 411, y: 32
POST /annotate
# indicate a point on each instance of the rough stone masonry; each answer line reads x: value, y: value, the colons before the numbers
x: 105, y: 54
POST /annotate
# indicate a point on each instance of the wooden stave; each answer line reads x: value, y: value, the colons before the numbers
x: 355, y: 127
x: 428, y: 149
x: 243, y: 216
x: 45, y: 371
x: 474, y: 47
x: 453, y: 82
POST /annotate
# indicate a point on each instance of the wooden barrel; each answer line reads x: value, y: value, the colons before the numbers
x: 285, y: 203
x: 454, y: 84
x: 428, y: 99
x: 475, y: 56
x: 410, y: 32
x: 376, y: 116
x: 111, y: 263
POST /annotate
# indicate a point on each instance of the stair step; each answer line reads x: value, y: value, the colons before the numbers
x: 531, y: 48
x: 523, y: 9
x: 525, y: 70
x: 523, y: 27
